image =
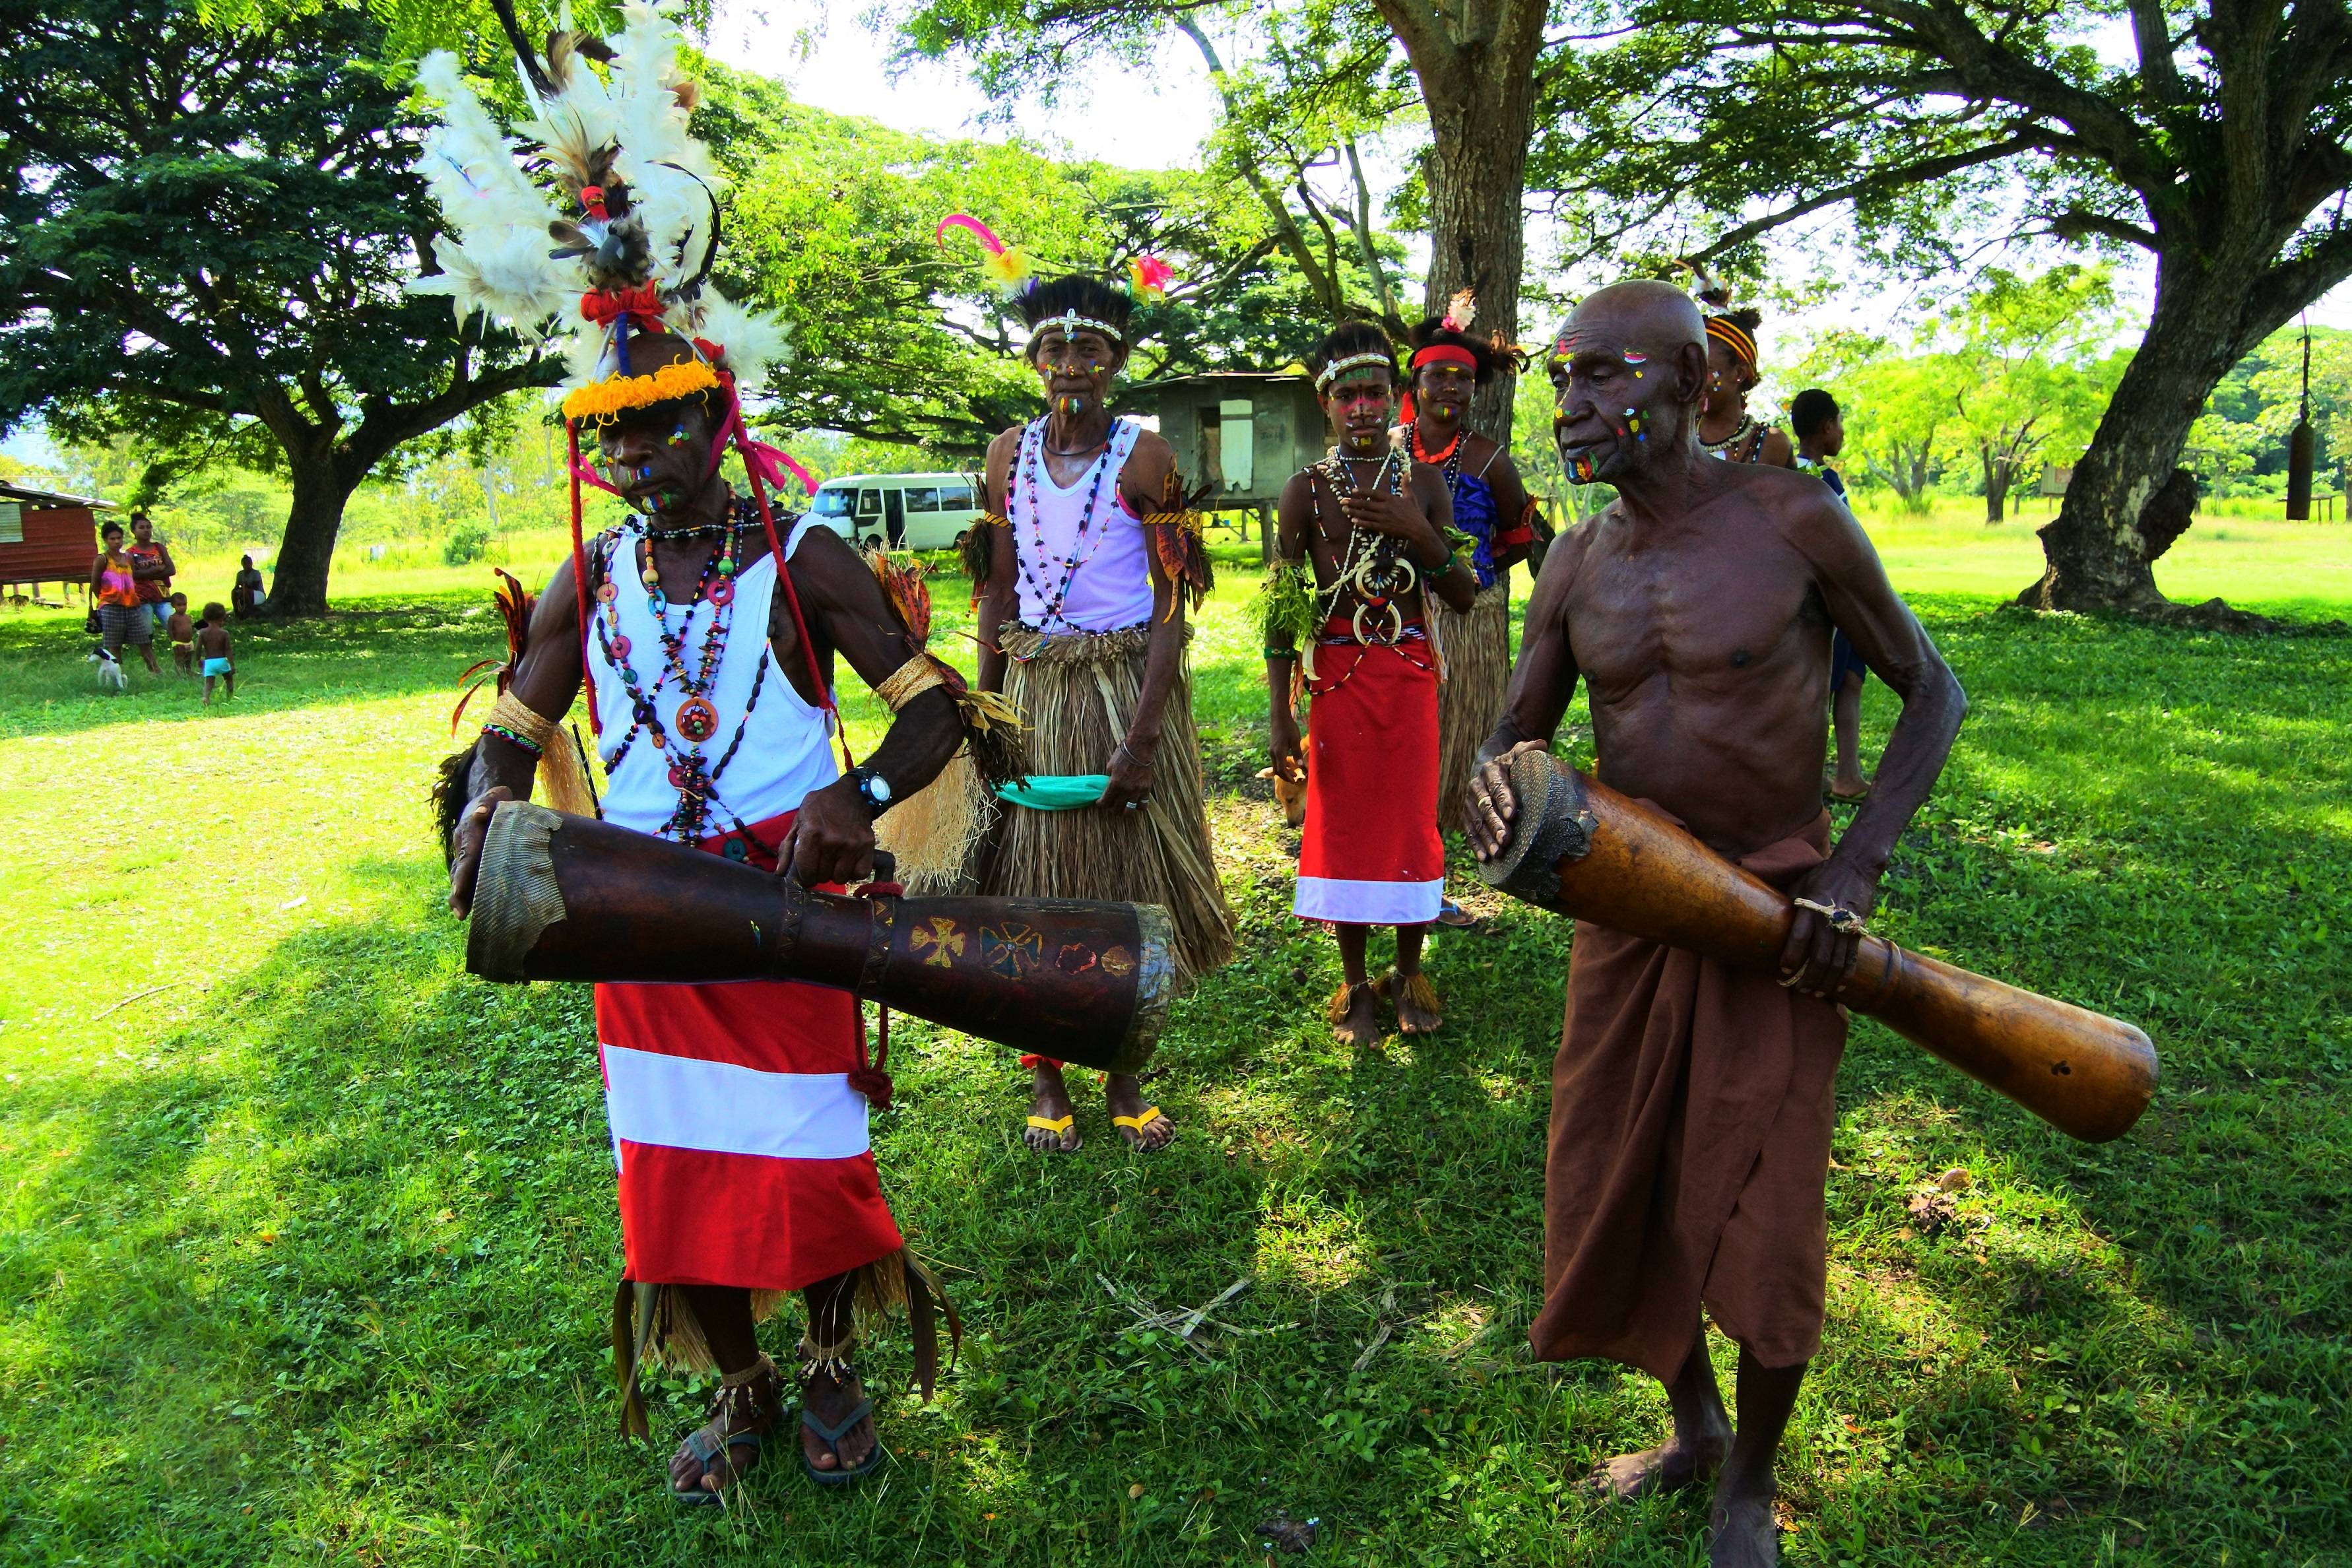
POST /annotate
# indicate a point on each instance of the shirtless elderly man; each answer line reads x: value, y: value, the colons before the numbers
x: 1693, y: 1104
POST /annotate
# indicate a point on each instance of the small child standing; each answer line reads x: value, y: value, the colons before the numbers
x: 211, y: 642
x: 182, y: 633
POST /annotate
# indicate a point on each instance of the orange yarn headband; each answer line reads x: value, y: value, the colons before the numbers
x: 1735, y: 337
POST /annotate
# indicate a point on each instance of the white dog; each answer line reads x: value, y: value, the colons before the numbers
x: 110, y: 672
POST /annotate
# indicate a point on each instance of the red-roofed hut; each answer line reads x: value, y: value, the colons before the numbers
x: 46, y: 538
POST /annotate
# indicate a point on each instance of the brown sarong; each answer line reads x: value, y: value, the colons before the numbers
x: 1691, y: 1113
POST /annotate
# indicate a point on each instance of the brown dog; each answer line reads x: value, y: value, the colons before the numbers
x: 1290, y: 793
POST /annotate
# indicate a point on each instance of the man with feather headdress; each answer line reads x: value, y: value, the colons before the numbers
x: 704, y: 630
x: 1087, y: 562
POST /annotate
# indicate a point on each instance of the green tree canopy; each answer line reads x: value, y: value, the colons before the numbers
x: 204, y: 239
x: 831, y: 223
x: 2220, y: 150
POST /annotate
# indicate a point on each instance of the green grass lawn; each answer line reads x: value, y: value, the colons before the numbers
x: 308, y: 1239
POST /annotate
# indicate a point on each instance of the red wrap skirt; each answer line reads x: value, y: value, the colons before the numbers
x: 1370, y: 854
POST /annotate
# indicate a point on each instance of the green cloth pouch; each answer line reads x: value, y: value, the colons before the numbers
x: 1056, y: 792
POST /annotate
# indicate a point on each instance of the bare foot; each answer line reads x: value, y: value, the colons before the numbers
x: 829, y: 1398
x: 1052, y: 1104
x: 1123, y: 1093
x: 1356, y: 1014
x: 1654, y: 1470
x: 1744, y: 1532
x: 1415, y: 1000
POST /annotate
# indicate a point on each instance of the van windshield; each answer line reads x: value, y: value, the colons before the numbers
x: 831, y: 502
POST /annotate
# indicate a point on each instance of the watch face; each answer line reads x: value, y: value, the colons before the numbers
x: 878, y: 788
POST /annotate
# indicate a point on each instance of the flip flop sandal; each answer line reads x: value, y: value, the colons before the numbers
x: 1450, y: 913
x: 1057, y: 1125
x: 832, y: 1437
x: 1151, y: 1113
x: 704, y: 1445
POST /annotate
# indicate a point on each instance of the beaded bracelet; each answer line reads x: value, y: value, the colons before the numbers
x: 506, y: 734
x: 1282, y: 653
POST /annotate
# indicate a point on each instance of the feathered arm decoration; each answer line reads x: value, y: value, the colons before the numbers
x: 979, y: 550
x: 1180, y: 543
x: 515, y: 602
x: 902, y: 584
x: 992, y: 725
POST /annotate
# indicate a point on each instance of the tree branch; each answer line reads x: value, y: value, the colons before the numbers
x: 1871, y: 185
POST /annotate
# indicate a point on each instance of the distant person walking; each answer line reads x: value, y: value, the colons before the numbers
x: 114, y: 584
x: 211, y: 646
x: 153, y: 567
x: 1821, y: 437
x: 247, y: 596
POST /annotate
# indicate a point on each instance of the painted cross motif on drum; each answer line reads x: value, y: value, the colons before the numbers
x: 943, y: 939
x: 1011, y: 951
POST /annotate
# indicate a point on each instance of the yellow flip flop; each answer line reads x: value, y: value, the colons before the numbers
x: 1151, y: 1113
x: 1057, y: 1125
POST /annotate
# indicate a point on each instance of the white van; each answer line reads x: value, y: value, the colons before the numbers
x: 908, y: 511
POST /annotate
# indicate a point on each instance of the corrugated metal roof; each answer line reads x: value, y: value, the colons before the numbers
x: 50, y: 498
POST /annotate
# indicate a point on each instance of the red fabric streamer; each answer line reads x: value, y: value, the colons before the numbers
x: 579, y: 573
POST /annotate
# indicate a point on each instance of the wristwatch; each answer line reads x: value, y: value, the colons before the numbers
x: 873, y: 789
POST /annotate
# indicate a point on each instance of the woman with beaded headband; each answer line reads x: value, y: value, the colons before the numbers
x: 1087, y: 565
x: 1491, y: 504
x: 1726, y: 429
x: 1364, y: 540
x: 705, y: 631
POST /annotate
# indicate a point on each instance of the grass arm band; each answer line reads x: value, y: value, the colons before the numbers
x: 511, y: 718
x: 909, y: 681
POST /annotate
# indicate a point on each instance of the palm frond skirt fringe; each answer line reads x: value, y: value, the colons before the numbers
x: 1078, y: 690
x: 1477, y: 643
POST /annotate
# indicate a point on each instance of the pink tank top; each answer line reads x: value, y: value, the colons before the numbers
x: 1080, y: 556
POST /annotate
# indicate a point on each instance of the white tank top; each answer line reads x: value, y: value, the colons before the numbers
x: 783, y: 752
x: 1110, y: 588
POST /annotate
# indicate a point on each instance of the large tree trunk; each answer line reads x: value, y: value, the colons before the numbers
x: 1480, y: 94
x: 1996, y: 479
x: 2098, y: 558
x: 322, y: 483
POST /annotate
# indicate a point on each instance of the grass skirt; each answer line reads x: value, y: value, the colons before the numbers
x: 1078, y: 693
x: 1477, y: 645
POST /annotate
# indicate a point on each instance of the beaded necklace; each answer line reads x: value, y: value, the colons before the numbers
x: 697, y: 719
x: 1717, y: 449
x: 1033, y: 449
x: 1374, y: 566
x: 1450, y: 458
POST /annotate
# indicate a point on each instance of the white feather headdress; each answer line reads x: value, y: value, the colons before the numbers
x: 596, y: 220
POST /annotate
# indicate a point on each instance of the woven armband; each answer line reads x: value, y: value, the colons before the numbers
x: 909, y: 681
x: 512, y: 720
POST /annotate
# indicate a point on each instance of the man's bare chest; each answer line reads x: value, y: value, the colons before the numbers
x: 1716, y: 616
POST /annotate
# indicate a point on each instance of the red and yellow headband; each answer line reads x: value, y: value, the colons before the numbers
x: 1445, y: 354
x: 1735, y: 337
